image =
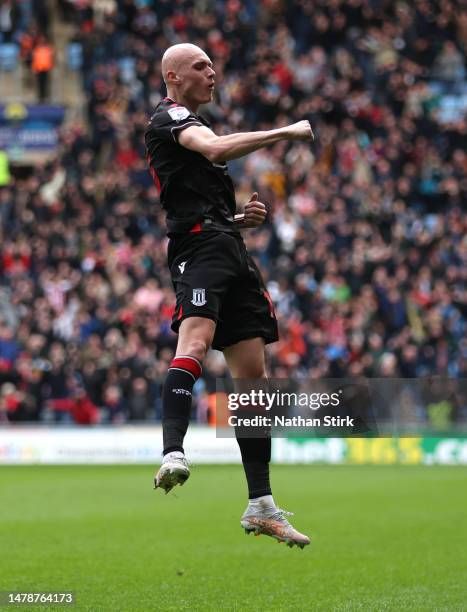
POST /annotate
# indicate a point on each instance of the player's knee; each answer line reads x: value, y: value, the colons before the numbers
x: 195, y: 337
x: 197, y: 348
x: 255, y: 373
x: 251, y: 369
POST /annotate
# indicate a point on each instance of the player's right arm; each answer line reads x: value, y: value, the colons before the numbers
x: 201, y: 139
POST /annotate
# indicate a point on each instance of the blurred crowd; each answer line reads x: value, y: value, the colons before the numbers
x: 364, y: 249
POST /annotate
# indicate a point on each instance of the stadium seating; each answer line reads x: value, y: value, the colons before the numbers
x: 9, y: 54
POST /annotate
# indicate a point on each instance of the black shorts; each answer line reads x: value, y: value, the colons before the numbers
x: 215, y: 277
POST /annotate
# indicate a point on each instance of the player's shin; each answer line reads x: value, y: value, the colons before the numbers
x: 183, y: 372
x: 256, y: 455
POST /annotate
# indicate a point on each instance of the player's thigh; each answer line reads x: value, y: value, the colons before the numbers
x: 246, y: 359
x: 201, y: 274
x: 246, y: 313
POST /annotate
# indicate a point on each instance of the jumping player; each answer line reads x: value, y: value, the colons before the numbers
x: 221, y: 300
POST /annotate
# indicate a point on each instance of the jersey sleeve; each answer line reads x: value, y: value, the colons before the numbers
x: 167, y: 124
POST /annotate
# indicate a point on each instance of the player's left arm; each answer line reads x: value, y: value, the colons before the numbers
x: 254, y: 214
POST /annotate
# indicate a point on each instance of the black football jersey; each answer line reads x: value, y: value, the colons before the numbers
x: 192, y: 189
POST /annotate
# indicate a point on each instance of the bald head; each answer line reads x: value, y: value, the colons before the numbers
x: 188, y: 74
x: 178, y: 55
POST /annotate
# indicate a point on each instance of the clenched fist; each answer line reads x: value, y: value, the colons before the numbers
x: 254, y: 213
x: 300, y: 131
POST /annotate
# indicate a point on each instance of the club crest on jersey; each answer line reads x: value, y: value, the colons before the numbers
x: 199, y: 297
x: 178, y: 113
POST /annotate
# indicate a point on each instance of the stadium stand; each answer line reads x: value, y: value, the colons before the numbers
x: 364, y: 249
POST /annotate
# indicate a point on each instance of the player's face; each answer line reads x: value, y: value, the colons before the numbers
x: 198, y: 76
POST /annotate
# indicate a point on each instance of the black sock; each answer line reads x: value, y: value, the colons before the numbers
x: 256, y: 455
x: 184, y: 371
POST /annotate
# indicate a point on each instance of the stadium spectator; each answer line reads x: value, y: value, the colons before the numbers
x: 449, y: 64
x: 9, y: 18
x: 42, y: 63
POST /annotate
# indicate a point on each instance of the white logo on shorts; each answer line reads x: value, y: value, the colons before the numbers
x: 181, y: 267
x: 199, y: 297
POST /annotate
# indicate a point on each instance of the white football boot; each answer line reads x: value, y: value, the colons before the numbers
x: 272, y: 522
x: 173, y: 471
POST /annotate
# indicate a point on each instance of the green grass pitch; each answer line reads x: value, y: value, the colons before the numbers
x: 383, y: 538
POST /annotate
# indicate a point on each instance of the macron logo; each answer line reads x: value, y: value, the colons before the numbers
x: 181, y: 392
x: 181, y: 267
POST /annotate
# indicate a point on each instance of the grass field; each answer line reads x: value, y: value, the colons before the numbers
x: 383, y: 538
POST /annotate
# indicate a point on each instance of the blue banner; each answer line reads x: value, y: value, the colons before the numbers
x: 28, y: 138
x: 17, y: 113
x: 29, y: 129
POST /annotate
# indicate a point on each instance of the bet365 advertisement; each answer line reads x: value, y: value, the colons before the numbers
x: 376, y: 451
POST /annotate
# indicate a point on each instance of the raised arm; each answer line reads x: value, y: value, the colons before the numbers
x: 224, y: 148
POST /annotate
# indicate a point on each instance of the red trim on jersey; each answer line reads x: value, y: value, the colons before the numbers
x: 196, y: 228
x: 153, y: 172
x: 190, y: 364
x: 271, y: 305
x: 180, y: 313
